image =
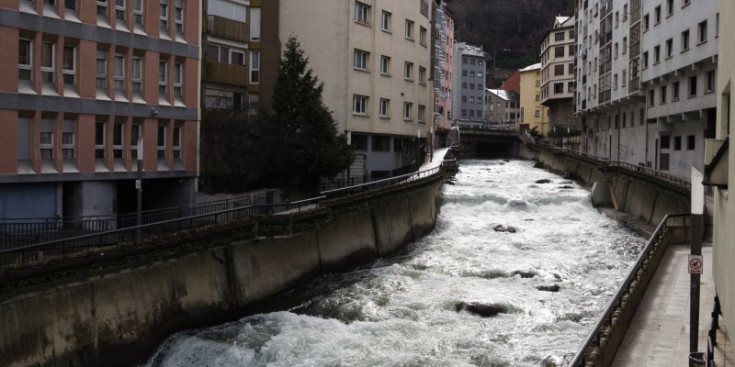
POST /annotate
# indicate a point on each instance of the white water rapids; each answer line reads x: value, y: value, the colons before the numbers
x: 401, y: 311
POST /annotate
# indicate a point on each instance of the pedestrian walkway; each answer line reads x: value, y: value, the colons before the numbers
x: 658, y: 335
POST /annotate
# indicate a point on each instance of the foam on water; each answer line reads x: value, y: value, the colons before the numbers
x: 402, y: 311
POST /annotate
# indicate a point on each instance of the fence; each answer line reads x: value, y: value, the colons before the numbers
x: 53, y: 236
x: 600, y: 346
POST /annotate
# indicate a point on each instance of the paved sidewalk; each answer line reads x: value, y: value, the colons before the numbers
x: 659, y: 332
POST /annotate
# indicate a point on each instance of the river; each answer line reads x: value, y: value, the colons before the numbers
x: 402, y: 311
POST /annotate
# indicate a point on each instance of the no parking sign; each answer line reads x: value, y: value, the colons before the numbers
x: 695, y: 264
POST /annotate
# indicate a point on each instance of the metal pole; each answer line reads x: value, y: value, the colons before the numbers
x: 139, y: 189
x: 697, y: 200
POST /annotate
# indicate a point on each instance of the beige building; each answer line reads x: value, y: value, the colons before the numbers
x: 373, y: 57
x: 719, y: 174
x: 557, y: 72
x: 533, y: 113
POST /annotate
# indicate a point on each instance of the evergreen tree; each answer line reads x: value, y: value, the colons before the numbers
x: 303, y: 138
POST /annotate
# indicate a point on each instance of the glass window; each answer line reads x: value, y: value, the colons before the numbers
x: 361, y: 60
x: 68, y: 138
x: 138, y: 12
x: 161, y: 141
x: 362, y: 13
x: 99, y: 140
x: 101, y: 69
x: 137, y: 74
x: 422, y: 113
x: 422, y: 36
x: 47, y: 62
x: 117, y: 141
x: 163, y: 15
x: 407, y: 107
x: 359, y: 105
x: 162, y: 78
x: 69, y: 65
x: 408, y: 71
x: 177, y: 142
x: 102, y: 9
x: 25, y: 60
x: 693, y: 86
x: 385, y: 65
x: 254, y: 67
x: 385, y: 21
x: 384, y: 107
x: 409, y: 29
x: 119, y: 72
x: 120, y: 10
x: 178, y: 75
x: 179, y: 16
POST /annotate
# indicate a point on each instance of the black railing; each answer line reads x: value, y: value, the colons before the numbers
x: 190, y: 217
x: 626, y: 299
x: 712, y: 333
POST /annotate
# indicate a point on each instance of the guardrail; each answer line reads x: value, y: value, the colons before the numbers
x: 599, y: 347
x: 70, y: 240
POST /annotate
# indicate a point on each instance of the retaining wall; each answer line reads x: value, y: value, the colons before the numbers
x: 118, y: 315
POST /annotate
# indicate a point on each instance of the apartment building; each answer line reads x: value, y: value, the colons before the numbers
x: 90, y: 87
x: 557, y: 73
x: 469, y: 84
x: 533, y: 113
x: 443, y: 70
x: 374, y: 58
x: 502, y: 108
x: 678, y: 72
x: 719, y: 174
x: 646, y: 71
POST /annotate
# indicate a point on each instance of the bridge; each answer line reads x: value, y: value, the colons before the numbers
x: 488, y: 142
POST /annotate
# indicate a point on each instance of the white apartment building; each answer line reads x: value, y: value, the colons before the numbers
x: 373, y: 57
x: 557, y: 72
x: 634, y: 60
x: 678, y: 71
x: 468, y: 103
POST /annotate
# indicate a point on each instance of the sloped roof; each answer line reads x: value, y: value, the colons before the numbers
x: 502, y: 93
x: 536, y: 66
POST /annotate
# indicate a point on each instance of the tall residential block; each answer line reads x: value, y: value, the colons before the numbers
x: 533, y: 113
x: 374, y: 58
x: 84, y: 82
x: 443, y: 70
x: 469, y: 84
x: 557, y: 73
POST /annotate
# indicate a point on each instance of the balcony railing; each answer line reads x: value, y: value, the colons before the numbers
x: 217, y: 72
x: 227, y: 28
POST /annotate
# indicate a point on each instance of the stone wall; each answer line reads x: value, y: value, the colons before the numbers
x: 117, y: 315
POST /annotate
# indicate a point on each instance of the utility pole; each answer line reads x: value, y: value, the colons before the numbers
x: 695, y: 259
x: 139, y: 186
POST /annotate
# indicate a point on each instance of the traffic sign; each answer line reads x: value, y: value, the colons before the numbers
x: 695, y: 264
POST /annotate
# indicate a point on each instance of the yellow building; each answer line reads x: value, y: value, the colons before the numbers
x: 533, y: 113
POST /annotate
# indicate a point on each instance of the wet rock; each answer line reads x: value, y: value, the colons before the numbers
x: 482, y: 309
x: 502, y: 228
x: 538, y: 165
x: 566, y: 187
x: 549, y: 288
x: 512, y: 229
x: 557, y: 276
x: 543, y: 181
x: 524, y: 274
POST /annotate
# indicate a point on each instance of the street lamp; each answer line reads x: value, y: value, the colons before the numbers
x: 139, y: 186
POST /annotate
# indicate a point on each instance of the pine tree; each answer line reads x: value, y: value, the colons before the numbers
x: 302, y: 137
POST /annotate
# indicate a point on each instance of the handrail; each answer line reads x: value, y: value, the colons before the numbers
x: 187, y: 222
x: 607, y: 315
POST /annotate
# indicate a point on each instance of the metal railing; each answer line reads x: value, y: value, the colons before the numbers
x: 712, y: 333
x: 157, y: 223
x: 629, y: 292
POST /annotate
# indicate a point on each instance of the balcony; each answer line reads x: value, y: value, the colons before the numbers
x: 227, y: 29
x: 216, y: 72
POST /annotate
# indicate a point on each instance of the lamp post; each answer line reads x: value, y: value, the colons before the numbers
x: 695, y: 259
x: 139, y: 187
x: 418, y: 149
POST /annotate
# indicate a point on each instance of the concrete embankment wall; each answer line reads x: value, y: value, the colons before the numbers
x: 632, y: 193
x: 117, y: 315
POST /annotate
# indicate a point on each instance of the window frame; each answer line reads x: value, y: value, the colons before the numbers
x: 22, y: 67
x: 359, y: 105
x: 101, y: 80
x: 119, y: 78
x: 362, y: 13
x: 360, y: 60
x: 407, y: 111
x: 384, y: 108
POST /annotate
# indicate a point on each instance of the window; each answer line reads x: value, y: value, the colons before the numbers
x: 46, y: 133
x: 407, y: 107
x: 70, y: 5
x: 68, y: 140
x: 101, y: 69
x: 359, y: 142
x: 464, y: 73
x: 384, y: 107
x: 464, y: 112
x: 117, y: 141
x: 138, y: 12
x: 684, y: 40
x: 162, y: 79
x: 570, y: 50
x: 657, y: 14
x: 464, y: 85
x: 472, y: 85
x: 361, y: 60
x: 25, y: 59
x: 359, y: 105
x: 677, y: 143
x: 710, y: 81
x: 119, y: 72
x: 254, y: 67
x: 137, y: 74
x: 161, y: 141
x: 651, y: 98
x: 422, y: 75
x: 558, y: 70
x: 625, y: 45
x: 675, y: 92
x: 385, y: 21
x: 99, y: 140
x: 102, y: 9
x: 656, y: 54
x: 422, y: 113
x: 558, y: 88
x: 693, y: 86
x: 178, y: 75
x: 663, y: 94
x: 690, y: 142
x: 385, y: 65
x: 47, y: 62
x: 702, y: 27
x: 669, y: 47
x: 559, y: 36
x: 409, y: 29
x: 381, y: 143
x: 669, y: 7
x: 179, y: 16
x: 537, y: 113
x: 177, y: 142
x: 422, y: 36
x: 68, y: 68
x: 645, y: 59
x: 408, y: 71
x: 665, y: 142
x: 362, y: 13
x: 646, y: 22
x: 559, y: 51
x: 120, y: 11
x: 571, y: 35
x: 615, y: 82
x: 472, y: 99
x: 163, y: 16
x: 136, y: 136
